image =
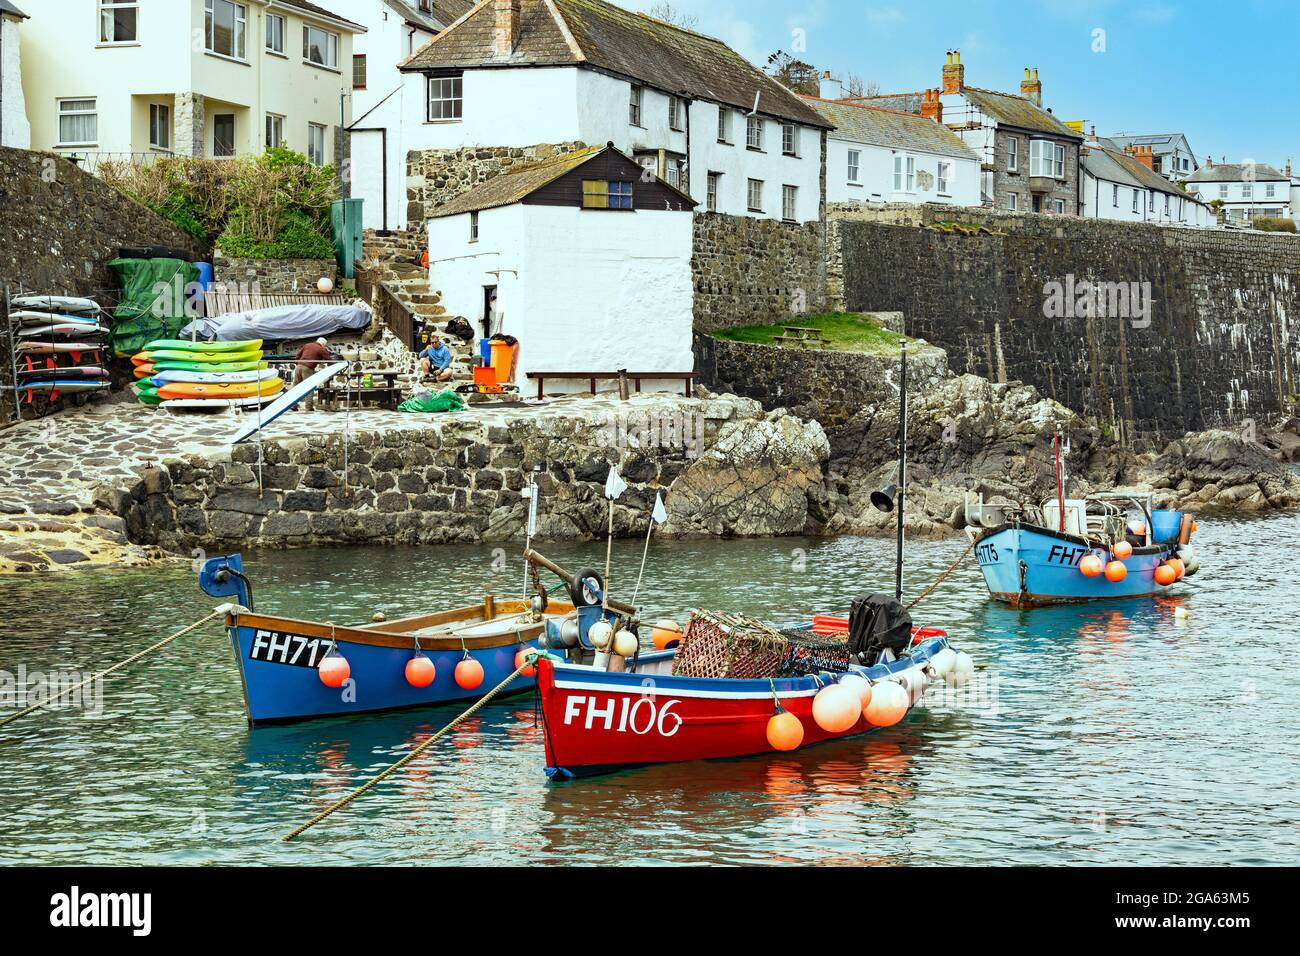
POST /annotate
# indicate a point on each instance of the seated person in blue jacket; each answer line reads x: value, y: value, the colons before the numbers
x: 435, y: 361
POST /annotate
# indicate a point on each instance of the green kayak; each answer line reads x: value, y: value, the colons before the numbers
x: 181, y: 355
x: 173, y: 366
x: 184, y: 345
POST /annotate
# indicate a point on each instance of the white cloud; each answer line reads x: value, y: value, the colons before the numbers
x: 884, y: 17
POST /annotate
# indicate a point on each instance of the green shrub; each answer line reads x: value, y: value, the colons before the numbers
x: 1268, y: 224
x: 299, y: 237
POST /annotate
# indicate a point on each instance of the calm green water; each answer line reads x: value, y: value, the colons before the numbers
x: 1116, y: 734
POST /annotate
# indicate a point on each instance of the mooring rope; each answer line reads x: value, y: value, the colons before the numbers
x: 926, y: 593
x: 116, y: 667
x: 425, y: 745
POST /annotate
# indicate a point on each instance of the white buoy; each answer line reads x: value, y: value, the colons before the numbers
x: 943, y: 662
x: 600, y: 634
x: 626, y: 644
x: 963, y: 670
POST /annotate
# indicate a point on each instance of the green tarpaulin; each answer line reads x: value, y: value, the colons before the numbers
x: 155, y: 294
x: 447, y: 401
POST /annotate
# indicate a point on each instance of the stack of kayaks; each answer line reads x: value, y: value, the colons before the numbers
x: 179, y: 375
x: 58, y: 346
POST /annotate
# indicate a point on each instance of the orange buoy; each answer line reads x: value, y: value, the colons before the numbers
x: 665, y: 633
x: 469, y: 674
x: 1165, y: 575
x: 888, y: 704
x: 1116, y: 571
x: 420, y: 671
x: 1092, y: 566
x: 1122, y: 550
x: 521, y: 656
x: 1179, y: 568
x: 784, y: 731
x: 334, y: 670
x: 836, y: 709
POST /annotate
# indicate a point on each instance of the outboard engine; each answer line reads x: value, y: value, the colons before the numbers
x: 878, y: 623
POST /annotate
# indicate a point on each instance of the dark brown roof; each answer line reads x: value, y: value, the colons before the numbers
x: 510, y: 188
x: 322, y: 12
x: 606, y: 37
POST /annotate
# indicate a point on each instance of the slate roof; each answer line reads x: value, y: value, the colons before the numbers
x: 320, y: 11
x: 1015, y: 110
x: 859, y: 123
x: 445, y: 12
x: 1117, y: 166
x: 1236, y: 173
x: 902, y: 102
x: 1160, y: 143
x: 600, y: 35
x: 7, y: 7
x: 512, y: 187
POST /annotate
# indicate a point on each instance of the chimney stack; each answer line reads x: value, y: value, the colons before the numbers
x: 1209, y: 162
x: 505, y: 29
x: 1143, y: 155
x: 931, y: 106
x: 1031, y: 88
x: 954, y: 74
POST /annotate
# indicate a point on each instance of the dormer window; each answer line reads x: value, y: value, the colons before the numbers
x: 606, y: 194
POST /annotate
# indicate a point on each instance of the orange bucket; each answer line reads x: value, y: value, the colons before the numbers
x: 503, y: 360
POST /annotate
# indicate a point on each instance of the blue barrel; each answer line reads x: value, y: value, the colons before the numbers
x: 206, y: 274
x: 485, y: 350
x: 1165, y: 526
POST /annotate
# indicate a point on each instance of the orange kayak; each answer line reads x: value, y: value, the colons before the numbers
x: 227, y: 390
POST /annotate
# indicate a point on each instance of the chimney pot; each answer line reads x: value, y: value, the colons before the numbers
x: 954, y: 74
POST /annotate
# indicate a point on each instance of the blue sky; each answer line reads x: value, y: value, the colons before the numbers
x: 1224, y: 73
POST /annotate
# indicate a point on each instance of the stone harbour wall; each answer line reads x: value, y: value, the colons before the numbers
x: 725, y: 467
x: 273, y: 275
x: 436, y: 176
x: 756, y: 271
x: 1217, y: 347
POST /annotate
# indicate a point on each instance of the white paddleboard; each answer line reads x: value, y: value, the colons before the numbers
x: 29, y: 318
x: 62, y: 303
x: 71, y: 371
x: 51, y: 348
x: 62, y: 328
x: 212, y: 378
x: 287, y: 401
x: 211, y: 404
x: 73, y: 385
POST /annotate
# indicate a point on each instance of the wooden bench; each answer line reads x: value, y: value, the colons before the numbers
x: 593, y: 377
x: 801, y: 336
x: 218, y: 301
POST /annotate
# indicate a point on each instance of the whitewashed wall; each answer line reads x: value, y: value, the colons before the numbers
x: 595, y: 291
x: 875, y: 181
x: 1099, y: 203
x: 16, y: 131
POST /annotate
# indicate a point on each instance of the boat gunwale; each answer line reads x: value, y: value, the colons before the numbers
x: 1146, y: 549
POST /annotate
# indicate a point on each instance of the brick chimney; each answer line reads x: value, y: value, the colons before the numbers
x: 954, y: 74
x: 931, y: 107
x: 1143, y: 155
x: 1209, y: 162
x: 1031, y: 88
x: 505, y: 28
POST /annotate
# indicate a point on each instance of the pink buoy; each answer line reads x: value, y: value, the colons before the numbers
x: 334, y: 671
x: 420, y: 671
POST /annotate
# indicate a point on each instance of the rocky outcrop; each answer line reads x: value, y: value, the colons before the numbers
x: 1220, y: 470
x: 68, y: 538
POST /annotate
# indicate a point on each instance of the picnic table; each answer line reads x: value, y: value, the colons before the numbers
x: 802, y: 336
x: 347, y: 387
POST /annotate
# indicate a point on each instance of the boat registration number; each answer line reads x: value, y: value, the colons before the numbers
x: 292, y: 649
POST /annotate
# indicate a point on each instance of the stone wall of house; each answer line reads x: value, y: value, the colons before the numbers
x: 435, y: 176
x: 1216, y: 348
x: 756, y: 271
x: 1007, y: 181
x: 824, y: 385
x: 273, y: 275
x: 452, y: 479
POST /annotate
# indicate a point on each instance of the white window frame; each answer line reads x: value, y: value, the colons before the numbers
x: 754, y: 195
x: 790, y: 203
x: 1137, y: 200
x: 274, y: 130
x: 1223, y: 190
x: 1167, y: 197
x: 1270, y: 191
x: 312, y: 130
x: 1060, y: 206
x: 754, y: 133
x: 239, y: 30
x: 635, y: 104
x: 473, y: 226
x: 676, y: 106
x: 789, y: 139
x: 1046, y: 159
x: 275, y: 29
x: 160, y: 120
x: 1247, y: 191
x: 854, y: 171
x: 724, y: 125
x: 1013, y: 202
x: 1114, y: 195
x: 1013, y: 155
x: 450, y: 90
x: 711, y: 191
x: 331, y: 47
x: 106, y: 20
x: 92, y: 112
x: 942, y: 174
x: 904, y: 173
x: 1058, y: 166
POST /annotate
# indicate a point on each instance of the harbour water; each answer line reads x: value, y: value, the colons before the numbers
x: 1101, y: 734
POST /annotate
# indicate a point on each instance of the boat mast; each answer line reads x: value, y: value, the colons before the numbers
x: 902, y: 468
x: 1060, y: 482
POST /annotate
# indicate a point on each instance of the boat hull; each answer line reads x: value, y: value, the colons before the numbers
x: 278, y: 660
x: 597, y: 722
x: 1051, y: 572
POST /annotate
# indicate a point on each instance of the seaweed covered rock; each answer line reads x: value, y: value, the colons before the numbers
x: 1220, y: 470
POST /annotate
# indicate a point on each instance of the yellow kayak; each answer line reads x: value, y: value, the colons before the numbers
x: 270, y: 386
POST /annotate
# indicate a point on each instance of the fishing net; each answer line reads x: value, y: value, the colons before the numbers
x: 734, y: 646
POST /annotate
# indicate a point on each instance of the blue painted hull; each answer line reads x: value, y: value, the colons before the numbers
x: 287, y: 686
x: 1051, y: 572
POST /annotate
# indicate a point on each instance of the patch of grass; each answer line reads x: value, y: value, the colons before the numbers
x: 847, y: 332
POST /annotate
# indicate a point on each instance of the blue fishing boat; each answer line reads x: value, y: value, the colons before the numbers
x: 298, y: 670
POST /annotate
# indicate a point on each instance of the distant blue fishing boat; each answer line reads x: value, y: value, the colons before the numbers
x: 297, y: 670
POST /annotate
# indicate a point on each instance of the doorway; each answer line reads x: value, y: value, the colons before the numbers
x: 490, y: 311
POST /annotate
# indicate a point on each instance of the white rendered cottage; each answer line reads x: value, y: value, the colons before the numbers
x: 15, y: 131
x: 1119, y: 184
x: 542, y: 75
x: 883, y: 155
x: 1247, y: 191
x: 584, y: 259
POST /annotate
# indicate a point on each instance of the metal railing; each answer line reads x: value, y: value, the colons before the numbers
x: 92, y: 160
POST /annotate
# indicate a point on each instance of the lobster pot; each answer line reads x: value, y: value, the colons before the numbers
x: 729, y: 645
